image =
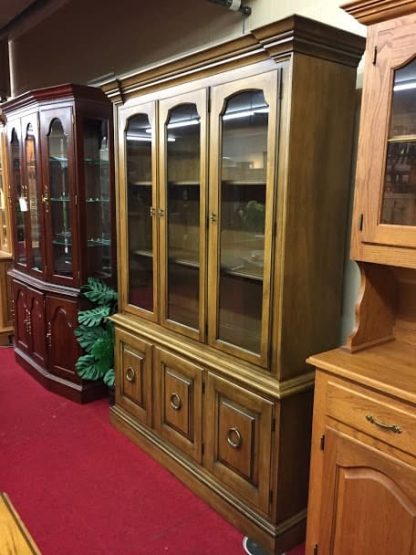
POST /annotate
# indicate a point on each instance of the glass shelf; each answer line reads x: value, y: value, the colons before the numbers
x: 62, y: 242
x: 60, y: 159
x: 146, y: 254
x: 62, y: 199
x: 140, y: 183
x: 99, y: 242
x: 97, y: 201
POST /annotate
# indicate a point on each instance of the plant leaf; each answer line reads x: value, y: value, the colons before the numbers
x: 99, y: 292
x: 87, y: 336
x: 109, y: 377
x: 94, y: 316
x: 87, y: 368
x: 103, y: 353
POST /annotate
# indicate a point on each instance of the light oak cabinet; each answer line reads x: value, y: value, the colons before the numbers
x: 6, y: 298
x: 229, y: 246
x: 362, y: 496
x: 59, y: 144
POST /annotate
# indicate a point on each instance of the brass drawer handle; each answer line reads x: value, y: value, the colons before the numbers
x: 213, y: 217
x: 392, y: 427
x: 175, y: 401
x: 130, y: 375
x: 234, y: 438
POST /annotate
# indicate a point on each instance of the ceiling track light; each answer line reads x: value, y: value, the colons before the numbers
x: 233, y: 5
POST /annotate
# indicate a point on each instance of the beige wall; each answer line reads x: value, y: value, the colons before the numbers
x: 84, y: 40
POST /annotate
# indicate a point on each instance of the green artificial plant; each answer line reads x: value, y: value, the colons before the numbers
x: 95, y: 333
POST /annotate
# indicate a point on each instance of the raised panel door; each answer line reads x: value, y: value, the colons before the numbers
x: 178, y: 402
x: 36, y: 326
x: 21, y: 334
x: 238, y: 431
x: 241, y: 211
x: 61, y: 198
x: 368, y: 500
x: 182, y: 215
x: 386, y: 172
x: 63, y: 348
x: 133, y: 381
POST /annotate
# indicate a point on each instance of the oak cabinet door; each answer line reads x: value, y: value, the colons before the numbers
x: 238, y: 431
x: 21, y: 332
x: 178, y: 402
x: 37, y: 326
x: 368, y: 500
x: 133, y: 381
x: 63, y: 348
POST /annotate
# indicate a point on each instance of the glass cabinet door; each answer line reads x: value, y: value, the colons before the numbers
x: 138, y: 189
x: 98, y: 201
x: 389, y: 215
x: 243, y: 119
x: 182, y: 213
x: 5, y: 239
x: 57, y: 155
x: 32, y: 186
x: 19, y: 197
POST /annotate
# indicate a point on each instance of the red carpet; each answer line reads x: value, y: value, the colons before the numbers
x: 82, y: 488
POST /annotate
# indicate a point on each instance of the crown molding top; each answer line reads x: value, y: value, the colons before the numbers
x: 56, y: 93
x: 276, y: 41
x: 369, y: 12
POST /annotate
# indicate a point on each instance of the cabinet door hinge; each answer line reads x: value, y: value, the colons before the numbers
x: 375, y: 56
x: 270, y: 497
x: 209, y: 101
x: 361, y: 222
x: 322, y: 443
x: 76, y: 200
x: 202, y: 449
x: 72, y: 118
x: 273, y: 424
x: 281, y: 84
x: 203, y: 388
x: 315, y: 549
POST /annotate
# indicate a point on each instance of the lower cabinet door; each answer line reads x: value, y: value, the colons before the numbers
x: 368, y: 500
x: 21, y: 329
x: 133, y: 379
x: 178, y: 402
x: 36, y: 326
x: 63, y: 348
x: 238, y: 432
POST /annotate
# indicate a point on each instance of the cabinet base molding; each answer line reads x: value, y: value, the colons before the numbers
x: 274, y: 538
x: 80, y: 393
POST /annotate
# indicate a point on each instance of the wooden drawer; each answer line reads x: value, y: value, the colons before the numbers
x: 238, y: 430
x: 133, y: 375
x: 374, y: 414
x: 178, y: 402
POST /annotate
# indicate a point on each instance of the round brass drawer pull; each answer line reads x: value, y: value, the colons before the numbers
x: 234, y: 438
x: 130, y: 375
x: 391, y: 427
x: 175, y: 401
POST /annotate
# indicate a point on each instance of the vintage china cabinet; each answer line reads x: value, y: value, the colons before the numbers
x: 233, y: 175
x: 60, y: 159
x: 6, y: 304
x: 363, y: 469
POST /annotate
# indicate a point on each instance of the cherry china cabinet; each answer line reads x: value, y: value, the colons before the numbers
x: 233, y: 176
x: 6, y: 305
x: 61, y: 174
x: 363, y: 469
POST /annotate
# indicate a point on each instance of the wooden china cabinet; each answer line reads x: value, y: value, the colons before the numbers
x: 233, y: 175
x: 363, y: 469
x: 61, y: 169
x: 6, y: 307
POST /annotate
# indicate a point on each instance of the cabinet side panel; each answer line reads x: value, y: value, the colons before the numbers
x: 316, y: 203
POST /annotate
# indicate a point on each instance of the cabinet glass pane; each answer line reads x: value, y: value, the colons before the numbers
x: 33, y: 194
x: 183, y: 192
x: 242, y: 209
x: 97, y: 198
x: 21, y: 205
x: 59, y: 197
x: 399, y: 198
x: 4, y: 237
x: 139, y: 204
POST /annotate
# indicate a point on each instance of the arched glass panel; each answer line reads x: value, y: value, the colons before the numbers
x: 182, y: 139
x: 244, y: 130
x: 97, y: 198
x: 20, y: 198
x: 33, y: 194
x: 60, y: 199
x: 399, y: 197
x: 139, y: 204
